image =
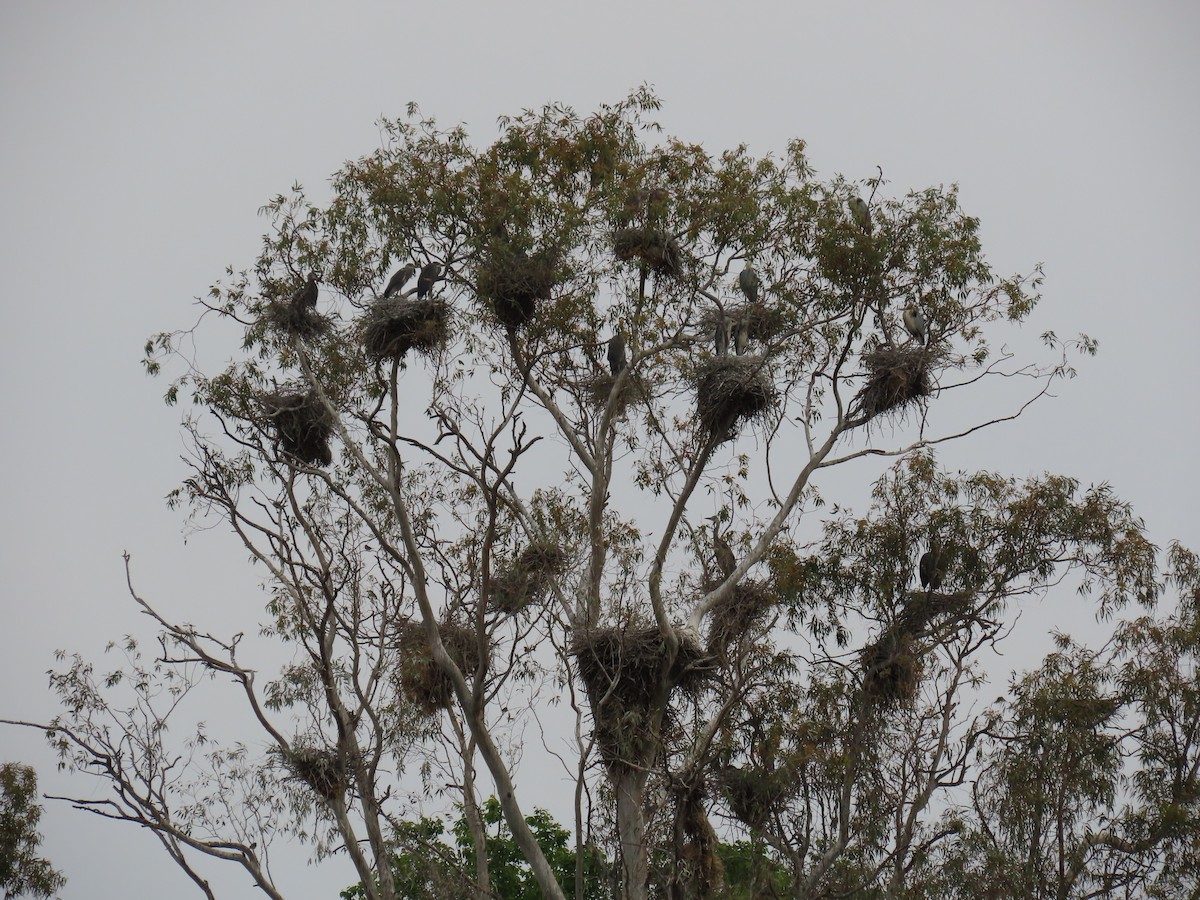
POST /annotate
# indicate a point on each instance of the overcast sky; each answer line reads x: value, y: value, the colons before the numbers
x: 139, y: 139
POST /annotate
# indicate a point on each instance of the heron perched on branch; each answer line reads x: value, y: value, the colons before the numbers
x: 861, y: 213
x: 305, y: 296
x: 397, y: 282
x: 430, y: 273
x: 723, y: 553
x: 933, y: 567
x: 916, y: 324
x: 741, y: 337
x: 724, y: 326
x: 616, y: 354
x: 749, y: 283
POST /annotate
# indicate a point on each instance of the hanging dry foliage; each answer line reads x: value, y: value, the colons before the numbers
x: 422, y: 680
x: 655, y: 248
x: 302, y: 423
x: 394, y: 326
x: 753, y: 792
x: 731, y: 390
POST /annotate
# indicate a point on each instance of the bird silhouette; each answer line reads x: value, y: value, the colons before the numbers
x: 305, y: 296
x: 430, y: 273
x: 932, y: 567
x: 397, y: 282
x: 861, y: 213
x: 748, y: 281
x: 616, y: 354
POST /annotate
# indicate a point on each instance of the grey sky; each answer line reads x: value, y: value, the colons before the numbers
x: 139, y: 139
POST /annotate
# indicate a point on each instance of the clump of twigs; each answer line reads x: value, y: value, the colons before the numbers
x: 655, y: 248
x: 529, y: 577
x: 422, y: 680
x: 891, y: 667
x: 736, y: 613
x: 764, y: 322
x: 700, y: 871
x: 320, y: 769
x: 512, y: 283
x: 600, y: 387
x: 295, y: 318
x: 897, y: 378
x: 753, y: 792
x: 302, y: 423
x: 396, y: 325
x: 622, y: 672
x: 731, y: 390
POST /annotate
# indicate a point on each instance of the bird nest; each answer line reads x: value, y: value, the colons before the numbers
x: 422, y: 680
x: 512, y: 283
x: 655, y: 248
x: 600, y: 387
x: 891, y: 667
x: 766, y: 322
x: 897, y: 377
x: 302, y: 423
x: 731, y: 390
x: 529, y: 577
x: 294, y: 318
x: 736, y: 613
x: 753, y: 792
x: 322, y: 770
x: 699, y: 869
x: 621, y: 670
x: 394, y: 326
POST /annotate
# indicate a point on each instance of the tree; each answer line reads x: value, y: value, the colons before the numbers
x: 460, y: 514
x: 22, y: 871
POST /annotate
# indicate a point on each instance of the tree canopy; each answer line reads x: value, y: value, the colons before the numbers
x: 478, y: 518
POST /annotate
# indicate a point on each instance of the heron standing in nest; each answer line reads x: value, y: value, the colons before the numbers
x: 741, y: 339
x: 932, y: 567
x: 397, y: 282
x: 861, y: 213
x: 305, y: 296
x: 429, y: 276
x: 916, y: 324
x: 724, y: 327
x: 749, y: 283
x: 616, y: 354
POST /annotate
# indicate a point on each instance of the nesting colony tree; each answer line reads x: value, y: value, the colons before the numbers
x: 469, y: 499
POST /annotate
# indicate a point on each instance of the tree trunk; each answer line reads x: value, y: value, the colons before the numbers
x: 630, y: 789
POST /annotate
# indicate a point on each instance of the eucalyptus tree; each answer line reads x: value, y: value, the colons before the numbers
x: 461, y: 514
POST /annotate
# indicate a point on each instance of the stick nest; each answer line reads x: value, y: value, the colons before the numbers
x: 293, y: 318
x: 891, y: 667
x: 302, y: 423
x: 601, y: 385
x: 897, y: 377
x: 422, y: 681
x: 621, y: 670
x: 512, y: 283
x: 737, y: 613
x: 731, y: 390
x: 529, y: 577
x: 766, y: 322
x: 655, y: 248
x: 396, y: 325
x: 320, y: 769
x: 754, y: 792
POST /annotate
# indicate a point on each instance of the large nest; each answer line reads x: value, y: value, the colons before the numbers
x: 621, y: 670
x: 891, y: 668
x: 655, y: 248
x: 736, y: 613
x: 422, y: 680
x: 320, y: 769
x: 529, y: 577
x: 294, y: 318
x: 754, y: 792
x: 897, y: 377
x: 600, y: 387
x: 302, y: 423
x: 512, y: 283
x: 396, y: 325
x: 731, y: 390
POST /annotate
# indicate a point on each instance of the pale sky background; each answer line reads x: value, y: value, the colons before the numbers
x: 139, y: 139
